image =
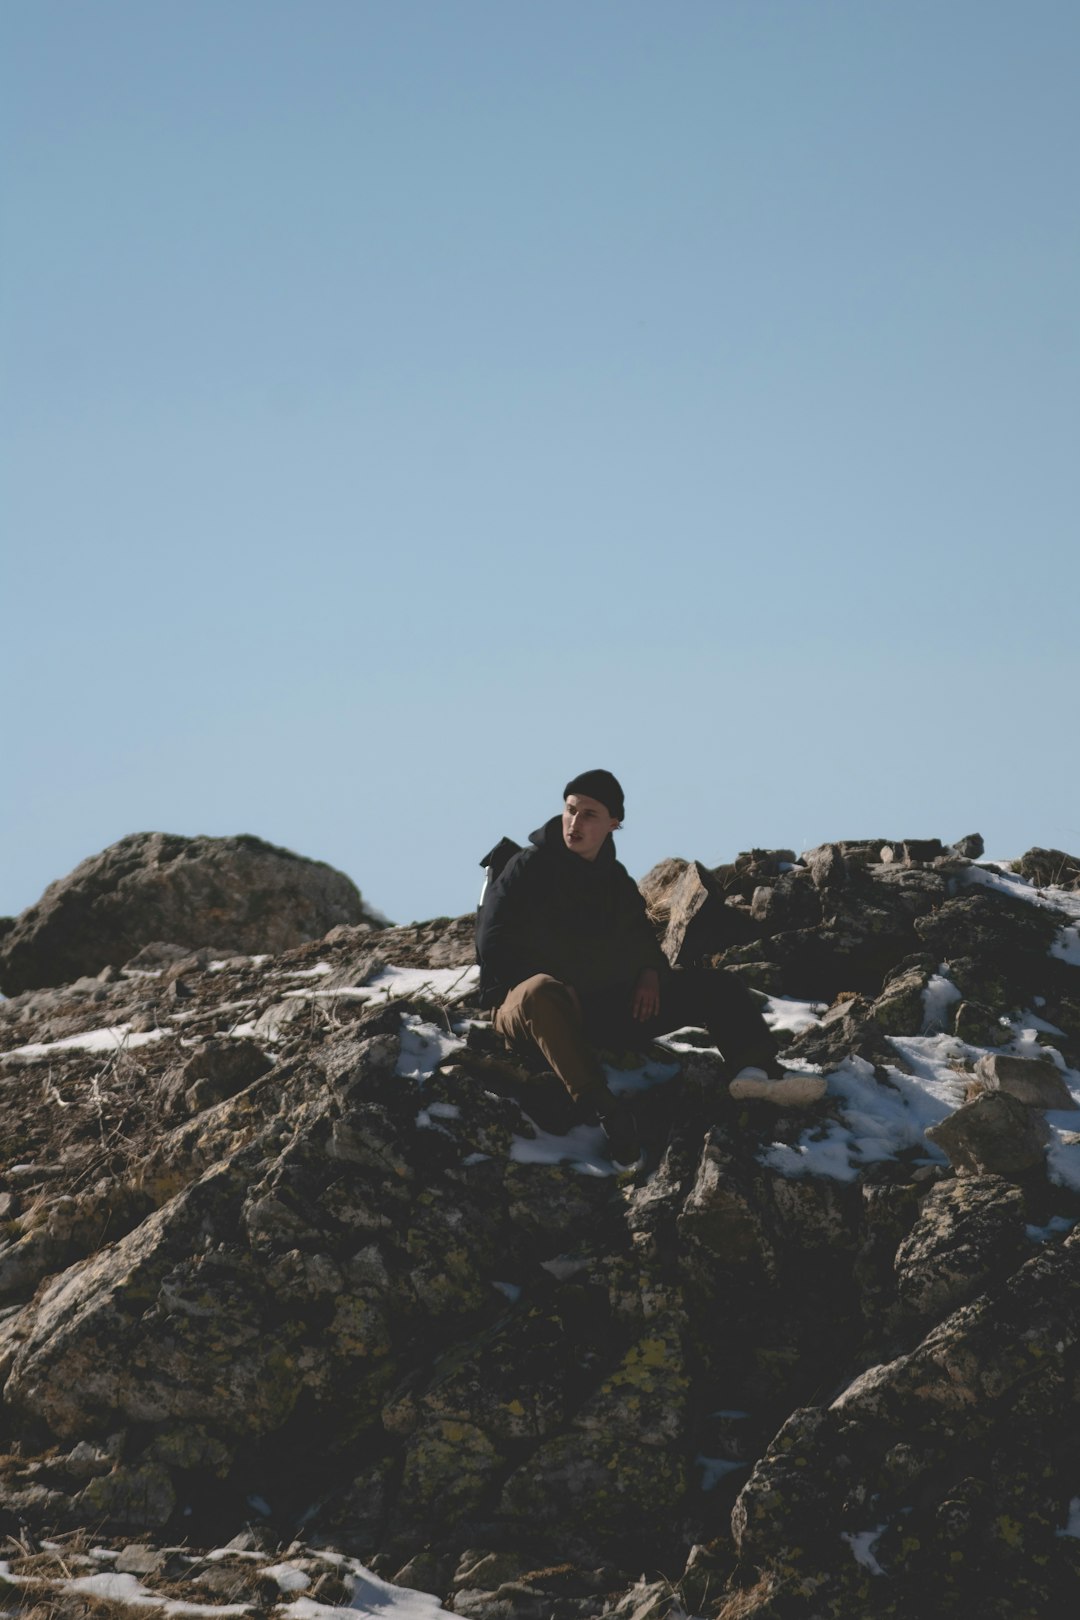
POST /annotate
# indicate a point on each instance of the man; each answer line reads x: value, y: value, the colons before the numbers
x: 569, y: 960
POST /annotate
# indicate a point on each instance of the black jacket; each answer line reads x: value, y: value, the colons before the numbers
x: 550, y: 911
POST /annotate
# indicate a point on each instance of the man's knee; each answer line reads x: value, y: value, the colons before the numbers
x: 542, y: 991
x: 536, y: 1000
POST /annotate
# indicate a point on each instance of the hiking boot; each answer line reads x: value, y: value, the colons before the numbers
x: 620, y: 1129
x: 548, y: 1103
x: 792, y: 1090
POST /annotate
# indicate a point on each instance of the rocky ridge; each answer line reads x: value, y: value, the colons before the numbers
x: 295, y: 1252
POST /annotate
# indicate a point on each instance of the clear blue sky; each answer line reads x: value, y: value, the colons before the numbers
x: 408, y: 404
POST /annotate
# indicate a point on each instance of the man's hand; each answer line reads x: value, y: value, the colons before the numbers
x: 647, y: 995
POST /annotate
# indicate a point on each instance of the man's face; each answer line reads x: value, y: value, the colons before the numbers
x: 585, y: 824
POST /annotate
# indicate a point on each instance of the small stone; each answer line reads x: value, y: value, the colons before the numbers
x: 331, y: 1589
x: 979, y: 1025
x: 486, y: 1570
x: 136, y: 1559
x: 85, y: 1461
x: 251, y: 1539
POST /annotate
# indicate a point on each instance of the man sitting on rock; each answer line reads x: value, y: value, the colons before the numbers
x: 568, y: 961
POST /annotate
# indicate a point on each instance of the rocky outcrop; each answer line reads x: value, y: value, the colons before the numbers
x: 836, y: 920
x: 297, y: 1243
x: 941, y: 1475
x: 232, y: 894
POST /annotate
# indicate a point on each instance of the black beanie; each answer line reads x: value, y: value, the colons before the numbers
x: 598, y: 785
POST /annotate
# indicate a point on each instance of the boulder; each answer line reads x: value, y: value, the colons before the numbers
x: 995, y: 945
x: 615, y: 1462
x: 679, y: 906
x: 1034, y: 1081
x: 234, y: 894
x: 218, y: 1069
x: 722, y: 1219
x: 826, y: 865
x: 909, y: 1464
x: 979, y: 1025
x: 695, y: 911
x: 901, y: 1007
x: 1045, y: 867
x: 970, y: 1233
x: 847, y: 1028
x: 789, y: 900
x: 995, y: 1136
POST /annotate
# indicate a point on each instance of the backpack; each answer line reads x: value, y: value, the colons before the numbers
x: 493, y: 863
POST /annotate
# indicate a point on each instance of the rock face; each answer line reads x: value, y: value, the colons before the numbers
x: 233, y: 894
x: 298, y: 1243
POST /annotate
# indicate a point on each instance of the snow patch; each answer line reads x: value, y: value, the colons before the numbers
x: 939, y: 995
x: 654, y: 1072
x: 128, y: 1589
x: 862, y: 1544
x: 116, y: 1038
x: 223, y: 962
x: 393, y: 983
x: 423, y: 1047
x: 786, y: 1016
x: 585, y: 1148
x: 371, y: 1597
x: 288, y: 1577
x: 877, y: 1120
x: 1063, y: 1156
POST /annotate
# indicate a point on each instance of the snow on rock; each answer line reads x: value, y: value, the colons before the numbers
x: 127, y: 1589
x: 423, y: 1047
x: 939, y: 995
x: 373, y: 1598
x: 786, y: 1016
x: 116, y: 1038
x: 862, y: 1544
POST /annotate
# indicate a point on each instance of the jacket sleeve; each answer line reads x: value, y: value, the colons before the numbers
x: 502, y: 929
x: 640, y: 929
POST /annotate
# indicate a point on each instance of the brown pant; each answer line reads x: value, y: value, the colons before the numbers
x: 542, y: 1010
